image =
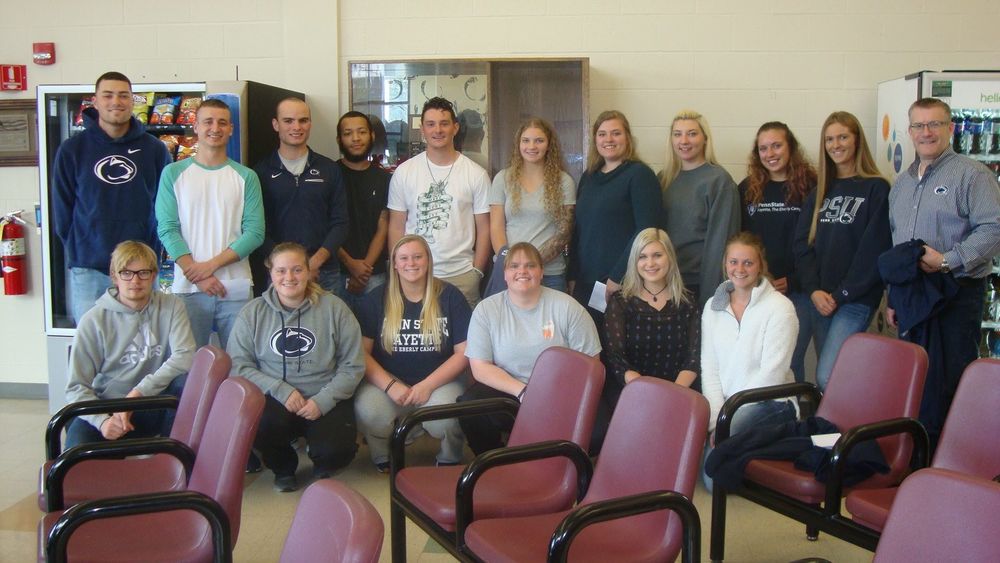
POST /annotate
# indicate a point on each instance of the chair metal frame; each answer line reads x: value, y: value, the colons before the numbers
x: 825, y: 517
x: 57, y: 543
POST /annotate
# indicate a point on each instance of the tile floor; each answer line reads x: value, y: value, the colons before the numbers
x: 754, y: 534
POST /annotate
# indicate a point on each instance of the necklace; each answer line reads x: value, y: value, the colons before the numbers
x: 434, y: 181
x: 653, y: 295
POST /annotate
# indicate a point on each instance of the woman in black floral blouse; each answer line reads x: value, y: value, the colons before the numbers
x: 653, y: 326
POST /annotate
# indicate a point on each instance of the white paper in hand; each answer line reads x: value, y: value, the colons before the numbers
x: 599, y: 297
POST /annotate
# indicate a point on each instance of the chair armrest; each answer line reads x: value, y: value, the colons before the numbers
x: 610, y: 509
x: 58, y: 540
x: 397, y: 445
x: 863, y: 433
x: 464, y: 514
x: 114, y: 449
x: 53, y: 432
x: 748, y: 396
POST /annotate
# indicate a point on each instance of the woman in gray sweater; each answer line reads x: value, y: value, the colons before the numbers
x: 700, y: 202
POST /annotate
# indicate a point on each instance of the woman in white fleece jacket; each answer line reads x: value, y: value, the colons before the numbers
x: 748, y: 332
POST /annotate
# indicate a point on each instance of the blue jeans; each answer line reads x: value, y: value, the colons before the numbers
x: 147, y: 424
x: 207, y: 312
x: 354, y: 300
x: 804, y: 310
x: 555, y: 281
x: 832, y: 331
x: 331, y: 280
x: 85, y: 287
x: 764, y: 413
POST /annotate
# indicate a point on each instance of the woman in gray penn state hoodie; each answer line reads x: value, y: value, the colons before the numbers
x: 302, y: 347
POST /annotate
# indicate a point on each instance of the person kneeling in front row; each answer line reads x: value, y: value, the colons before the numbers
x: 413, y: 330
x: 302, y: 347
x: 134, y: 342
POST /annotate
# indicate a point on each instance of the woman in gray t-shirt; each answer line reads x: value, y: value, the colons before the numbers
x: 532, y: 199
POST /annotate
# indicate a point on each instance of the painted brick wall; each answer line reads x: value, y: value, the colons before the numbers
x: 739, y: 63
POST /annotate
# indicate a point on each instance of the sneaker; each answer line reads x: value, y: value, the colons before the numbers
x: 285, y: 483
x: 382, y: 467
x: 253, y: 464
x: 322, y: 473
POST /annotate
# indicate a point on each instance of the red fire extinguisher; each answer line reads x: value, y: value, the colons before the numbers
x: 12, y: 260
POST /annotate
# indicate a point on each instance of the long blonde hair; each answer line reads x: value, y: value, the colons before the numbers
x: 594, y: 159
x: 632, y: 283
x: 313, y: 289
x: 672, y: 164
x: 864, y: 164
x: 552, y: 169
x: 395, y: 301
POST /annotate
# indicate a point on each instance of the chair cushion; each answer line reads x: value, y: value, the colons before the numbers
x: 502, y: 492
x: 527, y: 539
x: 871, y: 507
x: 105, y: 478
x: 781, y: 476
x: 179, y: 535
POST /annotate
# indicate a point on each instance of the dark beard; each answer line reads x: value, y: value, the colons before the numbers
x: 349, y: 157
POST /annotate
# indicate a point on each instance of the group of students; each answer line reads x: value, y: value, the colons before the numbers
x: 684, y: 258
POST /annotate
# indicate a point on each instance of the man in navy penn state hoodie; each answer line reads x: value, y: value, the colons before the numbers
x: 103, y: 190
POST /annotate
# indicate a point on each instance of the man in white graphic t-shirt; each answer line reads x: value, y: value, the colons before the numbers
x: 441, y: 195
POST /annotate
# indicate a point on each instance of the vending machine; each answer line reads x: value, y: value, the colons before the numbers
x: 166, y: 110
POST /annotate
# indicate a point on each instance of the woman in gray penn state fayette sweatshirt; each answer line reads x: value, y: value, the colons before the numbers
x: 117, y: 349
x: 315, y: 348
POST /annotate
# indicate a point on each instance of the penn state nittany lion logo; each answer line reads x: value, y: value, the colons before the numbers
x: 292, y: 342
x: 115, y: 169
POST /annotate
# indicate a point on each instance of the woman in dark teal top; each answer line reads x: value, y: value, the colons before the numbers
x: 618, y: 196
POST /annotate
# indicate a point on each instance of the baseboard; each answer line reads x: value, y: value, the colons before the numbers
x: 24, y: 391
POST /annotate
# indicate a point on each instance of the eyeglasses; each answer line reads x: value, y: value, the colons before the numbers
x: 127, y: 275
x: 930, y: 125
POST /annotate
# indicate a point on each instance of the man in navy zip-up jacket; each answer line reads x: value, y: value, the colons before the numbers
x: 104, y: 185
x: 305, y: 200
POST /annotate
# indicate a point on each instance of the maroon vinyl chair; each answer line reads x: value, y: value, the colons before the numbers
x: 334, y: 523
x: 201, y: 523
x: 942, y: 516
x: 92, y: 479
x: 639, y: 495
x: 560, y: 404
x: 967, y: 445
x: 874, y: 392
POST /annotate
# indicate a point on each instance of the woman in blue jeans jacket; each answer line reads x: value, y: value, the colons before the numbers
x: 838, y: 239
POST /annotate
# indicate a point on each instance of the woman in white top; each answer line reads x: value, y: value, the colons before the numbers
x: 532, y: 199
x: 748, y: 332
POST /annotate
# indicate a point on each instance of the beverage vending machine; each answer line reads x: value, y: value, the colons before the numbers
x: 974, y: 97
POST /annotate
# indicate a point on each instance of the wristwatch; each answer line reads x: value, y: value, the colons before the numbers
x: 944, y: 265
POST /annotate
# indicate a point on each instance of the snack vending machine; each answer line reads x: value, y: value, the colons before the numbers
x: 167, y: 112
x: 974, y: 97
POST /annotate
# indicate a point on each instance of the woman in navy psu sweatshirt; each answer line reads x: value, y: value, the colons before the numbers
x: 840, y: 234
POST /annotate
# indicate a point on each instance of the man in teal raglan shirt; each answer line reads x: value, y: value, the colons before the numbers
x: 210, y: 218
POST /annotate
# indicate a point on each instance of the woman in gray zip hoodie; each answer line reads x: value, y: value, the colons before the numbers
x: 134, y: 342
x: 302, y: 347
